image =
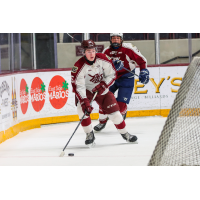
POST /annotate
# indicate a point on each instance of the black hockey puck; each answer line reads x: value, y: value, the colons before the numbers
x: 70, y: 154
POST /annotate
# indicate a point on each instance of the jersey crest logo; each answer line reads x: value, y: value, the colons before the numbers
x: 74, y: 69
x: 115, y: 58
x: 109, y: 58
x: 96, y: 78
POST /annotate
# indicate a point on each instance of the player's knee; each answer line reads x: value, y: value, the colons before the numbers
x: 102, y: 116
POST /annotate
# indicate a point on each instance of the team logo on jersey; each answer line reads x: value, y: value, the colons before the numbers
x: 74, y: 69
x: 113, y: 52
x: 96, y: 78
x: 110, y: 106
x: 115, y: 58
x: 109, y: 58
x: 125, y: 99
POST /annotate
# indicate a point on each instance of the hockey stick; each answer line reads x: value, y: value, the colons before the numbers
x: 121, y: 66
x: 63, y: 151
x: 73, y: 37
x: 130, y: 71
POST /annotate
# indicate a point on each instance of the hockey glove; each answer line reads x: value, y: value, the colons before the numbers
x: 86, y: 107
x: 118, y: 64
x: 100, y: 88
x: 144, y: 76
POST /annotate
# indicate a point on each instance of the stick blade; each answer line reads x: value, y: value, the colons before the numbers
x: 62, y: 154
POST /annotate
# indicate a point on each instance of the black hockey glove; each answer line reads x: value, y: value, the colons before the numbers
x: 144, y: 76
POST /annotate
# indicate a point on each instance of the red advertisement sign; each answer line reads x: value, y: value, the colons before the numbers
x: 38, y: 94
x: 58, y: 92
x: 79, y: 50
x: 24, y: 96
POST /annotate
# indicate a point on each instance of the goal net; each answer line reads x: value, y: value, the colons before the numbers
x: 179, y: 142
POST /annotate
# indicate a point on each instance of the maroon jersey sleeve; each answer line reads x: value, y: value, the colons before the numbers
x: 134, y: 54
x: 77, y: 79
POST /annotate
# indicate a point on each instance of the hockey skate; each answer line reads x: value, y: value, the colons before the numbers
x: 129, y: 138
x: 90, y: 139
x: 100, y: 126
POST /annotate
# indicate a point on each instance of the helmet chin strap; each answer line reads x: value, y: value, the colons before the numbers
x: 115, y: 45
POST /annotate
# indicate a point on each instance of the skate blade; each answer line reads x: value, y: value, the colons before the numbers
x: 91, y: 145
x: 136, y: 142
x: 97, y: 131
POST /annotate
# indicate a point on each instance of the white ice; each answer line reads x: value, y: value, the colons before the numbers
x: 42, y: 146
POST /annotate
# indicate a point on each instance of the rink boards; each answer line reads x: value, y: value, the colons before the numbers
x: 31, y: 99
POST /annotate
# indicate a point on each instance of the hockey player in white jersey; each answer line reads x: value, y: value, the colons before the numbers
x: 95, y: 72
x: 124, y: 55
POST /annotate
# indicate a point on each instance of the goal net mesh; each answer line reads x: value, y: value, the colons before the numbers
x: 179, y: 142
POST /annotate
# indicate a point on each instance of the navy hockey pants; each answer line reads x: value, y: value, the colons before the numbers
x: 125, y: 87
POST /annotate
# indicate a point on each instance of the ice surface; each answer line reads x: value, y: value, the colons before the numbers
x: 42, y: 146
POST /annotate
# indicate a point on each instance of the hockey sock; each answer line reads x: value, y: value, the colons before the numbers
x: 102, y: 116
x: 121, y: 127
x: 118, y: 121
x: 87, y: 125
x: 123, y: 107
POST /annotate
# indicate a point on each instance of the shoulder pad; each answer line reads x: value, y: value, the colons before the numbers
x: 127, y: 45
x: 105, y: 49
x: 103, y: 56
x: 130, y: 46
x: 78, y: 65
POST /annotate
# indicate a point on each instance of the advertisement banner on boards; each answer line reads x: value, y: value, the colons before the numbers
x: 35, y: 95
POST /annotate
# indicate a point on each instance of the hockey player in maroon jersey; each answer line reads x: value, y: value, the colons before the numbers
x: 95, y: 72
x: 124, y: 55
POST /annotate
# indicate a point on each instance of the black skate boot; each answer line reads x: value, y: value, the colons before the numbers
x: 90, y: 139
x: 129, y: 138
x: 100, y: 126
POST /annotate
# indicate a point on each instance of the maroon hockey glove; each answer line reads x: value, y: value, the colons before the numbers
x: 101, y: 87
x: 85, y: 104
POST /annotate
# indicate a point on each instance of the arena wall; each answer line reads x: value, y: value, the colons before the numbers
x: 168, y: 49
x: 31, y: 98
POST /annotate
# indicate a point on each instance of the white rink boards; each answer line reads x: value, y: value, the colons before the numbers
x: 42, y: 146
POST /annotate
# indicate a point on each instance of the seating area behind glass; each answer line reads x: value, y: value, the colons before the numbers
x: 29, y: 51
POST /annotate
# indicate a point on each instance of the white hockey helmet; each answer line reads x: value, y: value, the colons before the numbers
x: 116, y: 34
x: 114, y: 45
